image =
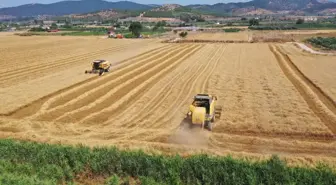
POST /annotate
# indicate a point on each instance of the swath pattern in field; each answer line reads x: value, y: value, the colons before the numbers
x: 118, y: 84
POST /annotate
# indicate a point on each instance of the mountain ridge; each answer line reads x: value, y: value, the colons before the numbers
x: 85, y: 6
x: 70, y: 7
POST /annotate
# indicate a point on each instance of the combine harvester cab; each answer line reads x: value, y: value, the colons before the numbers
x: 203, y: 111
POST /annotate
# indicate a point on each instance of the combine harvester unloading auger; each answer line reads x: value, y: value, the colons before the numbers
x: 203, y: 111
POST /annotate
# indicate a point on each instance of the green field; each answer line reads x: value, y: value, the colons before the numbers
x: 323, y: 42
x: 34, y: 163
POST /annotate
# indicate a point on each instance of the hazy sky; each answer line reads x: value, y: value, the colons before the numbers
x: 9, y: 3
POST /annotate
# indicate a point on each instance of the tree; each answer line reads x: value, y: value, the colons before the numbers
x: 117, y: 25
x: 53, y: 26
x: 300, y: 21
x: 159, y: 24
x: 200, y: 19
x: 175, y: 31
x: 135, y: 28
x: 244, y: 19
x: 254, y: 22
x: 183, y: 34
x: 185, y: 17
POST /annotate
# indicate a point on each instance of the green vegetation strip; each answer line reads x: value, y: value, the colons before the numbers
x: 323, y: 42
x: 232, y: 30
x: 37, y: 163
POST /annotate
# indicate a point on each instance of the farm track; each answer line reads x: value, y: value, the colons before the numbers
x: 35, y: 106
x: 312, y: 94
x: 39, y: 68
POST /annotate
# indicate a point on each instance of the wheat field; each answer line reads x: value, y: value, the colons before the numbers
x: 271, y: 103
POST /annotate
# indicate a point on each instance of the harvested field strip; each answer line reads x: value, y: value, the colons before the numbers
x: 137, y: 92
x: 326, y: 138
x: 57, y: 64
x: 155, y: 102
x: 35, y: 106
x: 98, y: 89
x: 321, y: 104
x: 106, y: 91
x: 252, y: 146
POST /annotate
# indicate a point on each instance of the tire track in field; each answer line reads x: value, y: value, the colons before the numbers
x: 79, y: 100
x: 23, y: 73
x: 35, y: 106
x: 148, y: 80
x: 320, y: 103
x: 155, y: 102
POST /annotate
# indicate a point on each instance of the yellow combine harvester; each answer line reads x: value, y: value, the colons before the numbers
x: 204, y: 110
x: 99, y: 66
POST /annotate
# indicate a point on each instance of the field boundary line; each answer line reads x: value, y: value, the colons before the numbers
x: 321, y: 104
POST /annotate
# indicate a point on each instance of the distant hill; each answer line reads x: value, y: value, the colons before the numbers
x: 312, y: 6
x: 70, y: 7
x: 172, y: 10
